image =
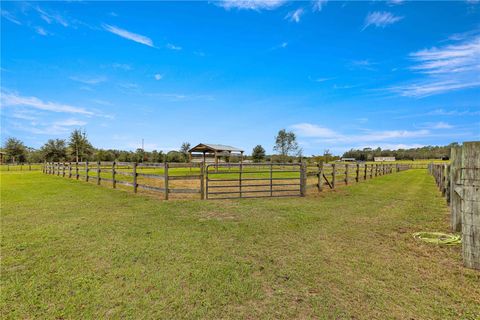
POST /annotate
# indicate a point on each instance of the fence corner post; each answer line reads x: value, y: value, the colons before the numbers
x: 202, y: 180
x: 114, y: 183
x: 303, y: 179
x: 320, y: 176
x: 165, y: 172
x: 135, y: 185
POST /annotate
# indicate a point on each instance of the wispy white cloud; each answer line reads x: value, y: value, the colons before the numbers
x: 173, y: 47
x: 70, y: 123
x: 438, y: 125
x: 395, y: 2
x: 380, y: 19
x: 9, y: 99
x: 251, y: 4
x: 319, y: 4
x: 295, y: 16
x: 7, y: 15
x: 327, y: 135
x: 41, y: 31
x: 122, y: 66
x: 158, y: 76
x: 443, y: 112
x: 50, y: 17
x: 447, y: 68
x: 429, y: 88
x: 89, y: 80
x: 453, y: 58
x: 129, y: 35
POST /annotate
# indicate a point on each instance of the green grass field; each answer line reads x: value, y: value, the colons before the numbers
x: 76, y: 250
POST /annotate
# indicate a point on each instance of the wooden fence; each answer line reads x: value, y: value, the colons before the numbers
x: 21, y: 167
x: 331, y: 175
x: 239, y: 180
x: 151, y: 177
x: 459, y: 183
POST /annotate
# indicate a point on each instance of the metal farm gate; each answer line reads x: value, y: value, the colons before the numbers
x: 242, y: 180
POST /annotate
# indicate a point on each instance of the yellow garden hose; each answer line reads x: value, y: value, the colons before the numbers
x: 438, y: 238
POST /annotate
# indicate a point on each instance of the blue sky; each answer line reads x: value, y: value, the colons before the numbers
x: 340, y: 74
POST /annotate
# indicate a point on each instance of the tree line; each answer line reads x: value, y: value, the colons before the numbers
x: 427, y: 152
x: 78, y: 148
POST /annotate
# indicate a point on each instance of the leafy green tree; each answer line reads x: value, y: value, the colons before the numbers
x: 175, y: 156
x: 285, y: 144
x: 79, y: 146
x: 184, y: 150
x: 15, y: 150
x: 55, y: 150
x: 258, y: 153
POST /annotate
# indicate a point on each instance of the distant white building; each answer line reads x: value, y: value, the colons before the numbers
x: 348, y: 159
x: 382, y: 159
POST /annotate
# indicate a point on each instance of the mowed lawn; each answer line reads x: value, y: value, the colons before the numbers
x: 71, y: 249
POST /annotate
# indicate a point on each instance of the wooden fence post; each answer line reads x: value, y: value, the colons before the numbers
x: 29, y: 166
x: 114, y: 182
x: 86, y: 170
x: 455, y: 199
x: 320, y: 176
x: 77, y: 176
x: 365, y: 172
x: 358, y: 172
x: 303, y: 179
x: 470, y: 208
x: 271, y: 179
x: 202, y: 181
x: 165, y: 173
x: 134, y: 169
x: 98, y: 173
x: 346, y: 174
x: 333, y: 175
x: 63, y: 170
x: 70, y: 169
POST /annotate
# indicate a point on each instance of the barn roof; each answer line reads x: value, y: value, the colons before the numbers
x: 209, y: 147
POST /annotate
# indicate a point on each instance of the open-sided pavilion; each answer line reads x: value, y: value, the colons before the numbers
x: 217, y: 150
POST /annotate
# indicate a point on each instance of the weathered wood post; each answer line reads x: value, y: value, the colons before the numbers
x: 77, y: 176
x: 320, y: 176
x: 470, y: 208
x: 86, y: 170
x: 165, y: 180
x: 98, y: 173
x: 63, y: 169
x: 70, y: 169
x: 346, y: 174
x: 114, y: 182
x: 448, y: 182
x: 365, y: 169
x: 202, y: 181
x: 333, y: 175
x: 303, y: 179
x: 239, y: 178
x: 455, y: 200
x: 358, y: 172
x: 134, y: 173
x: 271, y: 179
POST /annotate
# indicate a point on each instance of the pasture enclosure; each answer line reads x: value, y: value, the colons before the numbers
x: 71, y: 250
x: 459, y: 183
x: 22, y: 167
x: 220, y: 181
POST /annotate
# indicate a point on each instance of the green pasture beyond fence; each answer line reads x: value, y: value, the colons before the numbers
x: 22, y: 167
x: 230, y: 180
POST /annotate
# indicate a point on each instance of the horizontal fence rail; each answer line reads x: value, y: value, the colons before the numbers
x: 221, y: 181
x: 21, y: 167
